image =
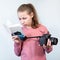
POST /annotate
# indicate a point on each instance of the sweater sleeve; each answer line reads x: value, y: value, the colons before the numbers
x: 17, y: 48
x: 44, y: 30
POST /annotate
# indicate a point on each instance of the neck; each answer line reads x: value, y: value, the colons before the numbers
x: 28, y: 26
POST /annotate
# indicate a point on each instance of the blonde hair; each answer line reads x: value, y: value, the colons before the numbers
x: 30, y: 8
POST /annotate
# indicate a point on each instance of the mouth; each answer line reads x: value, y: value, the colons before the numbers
x: 24, y: 24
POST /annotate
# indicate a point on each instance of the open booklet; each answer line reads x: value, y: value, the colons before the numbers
x: 13, y: 28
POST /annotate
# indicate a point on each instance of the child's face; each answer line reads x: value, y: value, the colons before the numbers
x: 25, y: 18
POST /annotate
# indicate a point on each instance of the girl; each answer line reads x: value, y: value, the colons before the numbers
x: 30, y: 49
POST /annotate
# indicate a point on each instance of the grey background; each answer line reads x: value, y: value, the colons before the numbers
x: 49, y: 15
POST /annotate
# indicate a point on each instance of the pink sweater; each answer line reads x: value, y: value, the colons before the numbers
x: 31, y: 49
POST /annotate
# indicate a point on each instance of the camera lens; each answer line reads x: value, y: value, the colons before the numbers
x: 54, y: 41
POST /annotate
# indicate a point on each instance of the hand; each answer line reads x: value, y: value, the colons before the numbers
x: 48, y: 44
x: 16, y: 39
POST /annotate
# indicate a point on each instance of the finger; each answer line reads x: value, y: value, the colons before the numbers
x: 14, y: 37
x: 17, y: 41
x: 49, y: 43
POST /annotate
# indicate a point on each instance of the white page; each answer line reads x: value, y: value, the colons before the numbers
x: 13, y: 28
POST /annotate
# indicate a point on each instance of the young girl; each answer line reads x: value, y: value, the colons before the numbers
x: 30, y: 49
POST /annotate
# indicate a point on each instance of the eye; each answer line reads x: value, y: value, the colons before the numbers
x: 24, y: 18
x: 19, y: 18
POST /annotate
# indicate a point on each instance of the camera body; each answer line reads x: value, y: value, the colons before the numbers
x: 42, y: 39
x: 20, y: 35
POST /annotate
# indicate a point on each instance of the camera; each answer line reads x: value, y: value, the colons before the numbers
x: 45, y: 37
x: 20, y: 35
x: 42, y: 39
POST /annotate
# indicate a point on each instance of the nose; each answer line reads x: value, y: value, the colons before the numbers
x: 22, y: 21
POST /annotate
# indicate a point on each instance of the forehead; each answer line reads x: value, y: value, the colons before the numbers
x: 22, y: 13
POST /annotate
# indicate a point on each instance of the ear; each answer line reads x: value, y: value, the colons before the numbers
x: 32, y: 14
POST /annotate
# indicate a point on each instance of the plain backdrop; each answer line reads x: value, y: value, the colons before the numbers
x: 48, y: 14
